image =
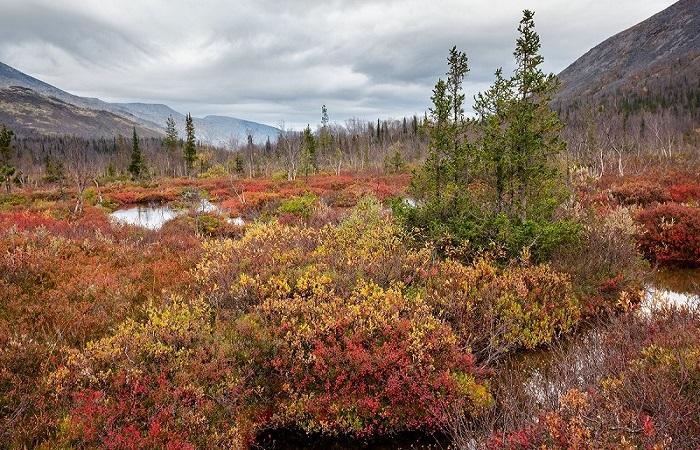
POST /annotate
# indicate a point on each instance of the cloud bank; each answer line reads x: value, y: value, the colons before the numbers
x: 273, y: 61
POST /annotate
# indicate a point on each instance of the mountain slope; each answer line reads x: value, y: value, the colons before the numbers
x: 30, y: 113
x: 656, y: 63
x: 215, y: 130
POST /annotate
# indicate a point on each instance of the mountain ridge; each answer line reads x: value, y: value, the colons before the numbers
x: 151, y: 117
x: 650, y: 59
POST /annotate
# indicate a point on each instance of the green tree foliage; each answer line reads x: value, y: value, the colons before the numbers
x: 137, y: 167
x: 171, y: 138
x: 7, y: 171
x: 54, y: 170
x: 394, y: 162
x: 501, y: 188
x: 309, y: 160
x: 190, y: 150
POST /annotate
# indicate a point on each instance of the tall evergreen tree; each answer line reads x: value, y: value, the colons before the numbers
x: 517, y: 136
x: 534, y: 130
x: 325, y: 139
x: 7, y: 171
x: 171, y: 137
x: 309, y: 163
x: 137, y: 167
x: 458, y: 69
x: 190, y: 149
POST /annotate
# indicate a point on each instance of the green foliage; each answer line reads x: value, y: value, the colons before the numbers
x: 137, y: 167
x: 171, y: 138
x: 6, y: 136
x: 190, y: 149
x: 302, y: 206
x: 394, y: 163
x: 215, y: 171
x: 503, y: 187
x: 309, y: 158
x: 54, y: 171
x: 7, y: 171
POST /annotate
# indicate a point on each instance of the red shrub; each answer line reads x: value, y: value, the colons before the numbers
x: 687, y: 192
x: 640, y: 193
x: 671, y: 234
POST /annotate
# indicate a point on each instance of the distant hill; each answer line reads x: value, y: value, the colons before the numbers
x: 655, y: 65
x: 215, y: 130
x: 30, y: 113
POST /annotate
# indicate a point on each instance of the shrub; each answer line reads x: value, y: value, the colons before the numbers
x: 606, y: 267
x: 639, y: 192
x: 495, y: 310
x: 639, y: 389
x: 62, y: 284
x: 215, y: 171
x: 374, y: 362
x: 302, y: 206
x: 671, y: 234
x: 686, y: 192
x: 157, y: 384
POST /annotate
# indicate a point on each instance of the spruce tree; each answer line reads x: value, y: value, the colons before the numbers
x: 7, y: 171
x: 171, y: 137
x: 512, y: 157
x: 190, y: 149
x: 309, y: 163
x: 325, y: 139
x: 137, y: 167
x: 458, y: 69
x: 534, y: 130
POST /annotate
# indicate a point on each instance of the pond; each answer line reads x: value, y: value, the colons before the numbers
x: 150, y: 217
x: 153, y: 217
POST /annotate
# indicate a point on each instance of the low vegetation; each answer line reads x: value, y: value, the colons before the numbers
x: 353, y: 304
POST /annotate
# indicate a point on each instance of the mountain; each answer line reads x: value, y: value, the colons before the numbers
x: 652, y: 65
x: 215, y: 130
x: 30, y: 113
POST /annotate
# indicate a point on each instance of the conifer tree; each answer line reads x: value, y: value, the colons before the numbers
x: 190, y: 149
x: 325, y: 139
x: 458, y: 69
x: 137, y: 167
x: 171, y: 137
x: 517, y: 136
x: 7, y: 171
x: 309, y: 163
x: 534, y: 130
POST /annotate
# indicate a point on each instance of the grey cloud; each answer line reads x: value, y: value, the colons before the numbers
x: 272, y: 60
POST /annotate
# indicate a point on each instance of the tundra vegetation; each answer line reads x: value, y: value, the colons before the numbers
x: 338, y: 308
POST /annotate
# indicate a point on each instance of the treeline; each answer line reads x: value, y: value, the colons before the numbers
x: 626, y: 130
x: 356, y: 145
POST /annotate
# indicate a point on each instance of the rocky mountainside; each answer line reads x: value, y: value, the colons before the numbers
x: 30, y: 113
x: 215, y: 130
x: 654, y: 64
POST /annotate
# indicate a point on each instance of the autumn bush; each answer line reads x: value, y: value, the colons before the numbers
x: 161, y: 383
x: 606, y: 267
x: 375, y: 362
x: 639, y: 192
x: 671, y: 234
x: 62, y: 284
x: 639, y: 390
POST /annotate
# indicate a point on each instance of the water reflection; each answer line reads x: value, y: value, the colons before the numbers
x: 150, y: 217
x: 154, y: 217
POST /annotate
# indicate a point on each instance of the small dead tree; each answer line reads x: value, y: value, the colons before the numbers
x: 80, y: 165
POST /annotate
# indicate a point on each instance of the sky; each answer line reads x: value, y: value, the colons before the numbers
x: 279, y: 61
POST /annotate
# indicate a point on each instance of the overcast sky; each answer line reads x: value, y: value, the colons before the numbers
x: 273, y: 61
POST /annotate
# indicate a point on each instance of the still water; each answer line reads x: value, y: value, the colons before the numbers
x: 154, y: 217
